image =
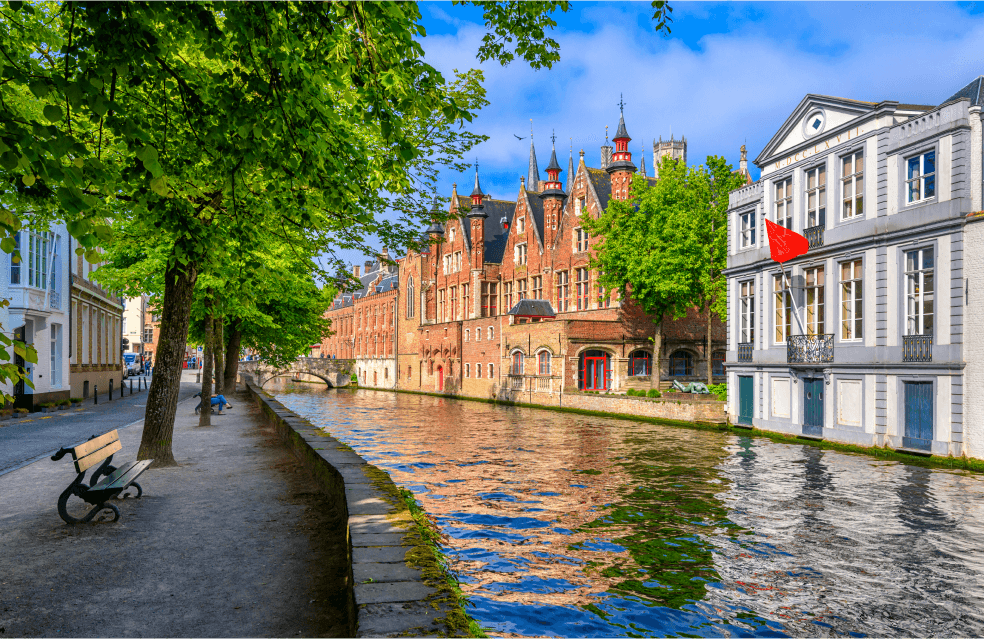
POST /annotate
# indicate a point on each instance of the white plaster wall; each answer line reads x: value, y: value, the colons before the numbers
x: 894, y: 425
x: 893, y: 184
x: 868, y: 321
x: 976, y: 159
x: 941, y: 296
x: 944, y: 169
x: 868, y: 425
x: 893, y: 296
x: 380, y: 366
x: 974, y: 342
x: 870, y: 177
x: 943, y: 426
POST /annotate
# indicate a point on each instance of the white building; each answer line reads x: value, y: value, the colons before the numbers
x: 134, y: 312
x: 36, y: 282
x: 891, y: 347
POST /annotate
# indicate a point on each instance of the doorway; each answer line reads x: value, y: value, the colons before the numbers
x: 440, y: 378
x: 813, y: 406
x: 595, y: 370
x: 918, y: 397
x: 746, y: 399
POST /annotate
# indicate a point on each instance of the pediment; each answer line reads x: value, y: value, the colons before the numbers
x: 814, y: 118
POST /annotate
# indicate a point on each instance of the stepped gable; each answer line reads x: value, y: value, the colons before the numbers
x: 495, y: 235
x: 973, y: 91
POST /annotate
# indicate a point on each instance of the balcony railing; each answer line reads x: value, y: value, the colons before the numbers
x: 814, y: 235
x: 54, y: 299
x: 544, y: 384
x: 516, y: 382
x: 745, y: 351
x: 810, y: 349
x: 917, y: 348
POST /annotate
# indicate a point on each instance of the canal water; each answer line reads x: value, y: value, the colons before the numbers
x: 567, y: 525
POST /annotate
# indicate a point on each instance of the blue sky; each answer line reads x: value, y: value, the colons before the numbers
x: 728, y: 73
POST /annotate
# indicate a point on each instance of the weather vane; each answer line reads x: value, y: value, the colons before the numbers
x: 621, y: 103
x: 553, y: 138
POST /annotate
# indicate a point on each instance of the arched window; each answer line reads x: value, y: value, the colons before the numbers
x: 410, y: 296
x: 491, y: 333
x: 543, y: 362
x: 594, y: 370
x: 718, y: 363
x: 681, y: 364
x: 517, y: 363
x: 467, y: 333
x: 641, y: 363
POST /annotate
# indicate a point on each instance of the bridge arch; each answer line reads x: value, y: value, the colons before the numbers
x: 293, y: 374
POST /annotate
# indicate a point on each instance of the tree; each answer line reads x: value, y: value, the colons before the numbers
x: 201, y: 121
x: 650, y: 247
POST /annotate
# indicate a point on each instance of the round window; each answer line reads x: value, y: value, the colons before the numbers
x: 814, y: 123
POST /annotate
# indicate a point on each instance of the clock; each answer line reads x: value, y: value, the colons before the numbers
x: 814, y: 123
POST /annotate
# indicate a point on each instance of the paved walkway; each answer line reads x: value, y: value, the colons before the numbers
x: 234, y: 542
x: 38, y: 435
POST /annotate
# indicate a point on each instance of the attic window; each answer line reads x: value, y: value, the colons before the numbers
x: 521, y: 225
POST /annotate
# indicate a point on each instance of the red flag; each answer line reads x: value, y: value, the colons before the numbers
x: 785, y: 244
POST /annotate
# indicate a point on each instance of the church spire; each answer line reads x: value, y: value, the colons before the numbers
x: 642, y: 167
x: 570, y: 168
x: 533, y: 174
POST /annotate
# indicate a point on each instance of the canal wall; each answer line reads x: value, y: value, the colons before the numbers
x: 396, y: 582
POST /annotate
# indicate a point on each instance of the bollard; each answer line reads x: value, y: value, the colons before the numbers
x: 95, y: 394
x: 111, y: 390
x: 198, y: 378
x: 131, y: 386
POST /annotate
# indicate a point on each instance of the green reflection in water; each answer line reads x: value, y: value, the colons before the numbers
x: 667, y: 509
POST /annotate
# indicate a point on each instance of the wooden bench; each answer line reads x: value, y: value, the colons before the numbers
x: 116, y: 480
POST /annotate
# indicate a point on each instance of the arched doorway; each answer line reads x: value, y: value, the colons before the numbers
x: 594, y: 371
x: 440, y: 378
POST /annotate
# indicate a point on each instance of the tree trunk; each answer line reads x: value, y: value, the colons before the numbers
x: 218, y: 350
x: 710, y: 351
x: 232, y: 356
x: 657, y: 349
x: 162, y: 398
x: 205, y: 417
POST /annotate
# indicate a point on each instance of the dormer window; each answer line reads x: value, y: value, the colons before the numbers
x: 521, y: 225
x: 451, y: 236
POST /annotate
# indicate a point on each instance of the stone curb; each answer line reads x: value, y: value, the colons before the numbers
x: 387, y: 597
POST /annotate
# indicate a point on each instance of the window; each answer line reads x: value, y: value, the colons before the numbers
x: 562, y: 291
x: 538, y: 287
x: 784, y: 203
x: 454, y: 312
x: 491, y: 333
x: 640, y: 363
x: 747, y: 221
x: 148, y: 336
x: 440, y: 304
x: 478, y: 335
x: 580, y: 240
x: 507, y: 296
x: 85, y: 334
x: 594, y: 370
x: 919, y: 292
x: 465, y: 301
x: 852, y: 185
x: 467, y: 370
x: 451, y: 236
x: 467, y: 333
x: 681, y: 364
x: 816, y: 196
x: 717, y: 363
x: 410, y: 296
x: 520, y: 225
x: 580, y: 206
x: 447, y: 263
x: 920, y: 180
x: 490, y: 299
x: 517, y: 363
x: 56, y: 356
x: 491, y: 371
x: 457, y: 261
x: 581, y: 288
x: 784, y: 310
x: 521, y: 295
x: 814, y: 301
x: 543, y: 362
x: 15, y: 261
x: 604, y: 299
x: 478, y: 371
x: 851, y: 300
x: 521, y: 254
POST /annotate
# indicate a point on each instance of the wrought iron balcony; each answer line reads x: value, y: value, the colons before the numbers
x: 54, y: 299
x: 745, y: 351
x: 814, y: 235
x: 917, y: 348
x: 810, y: 349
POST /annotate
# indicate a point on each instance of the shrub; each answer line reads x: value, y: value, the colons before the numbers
x: 76, y: 400
x: 64, y: 402
x: 721, y: 390
x: 21, y: 411
x: 632, y: 392
x: 654, y: 393
x: 46, y: 405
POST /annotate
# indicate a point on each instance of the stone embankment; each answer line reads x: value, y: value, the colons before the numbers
x: 398, y: 584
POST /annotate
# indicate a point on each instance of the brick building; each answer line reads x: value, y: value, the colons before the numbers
x: 95, y: 353
x: 461, y: 327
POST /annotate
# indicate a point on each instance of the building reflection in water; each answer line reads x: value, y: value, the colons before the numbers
x: 558, y: 524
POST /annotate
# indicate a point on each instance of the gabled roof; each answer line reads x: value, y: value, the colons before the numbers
x: 495, y: 235
x: 532, y: 308
x: 602, y: 183
x: 535, y: 204
x: 973, y: 91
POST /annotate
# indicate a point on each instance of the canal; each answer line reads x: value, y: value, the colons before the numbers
x: 567, y: 525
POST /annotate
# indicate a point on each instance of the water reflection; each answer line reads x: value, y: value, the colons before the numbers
x: 578, y: 526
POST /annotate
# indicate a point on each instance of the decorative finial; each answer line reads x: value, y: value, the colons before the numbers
x: 621, y: 103
x: 476, y: 165
x: 531, y: 128
x: 606, y: 135
x: 553, y: 137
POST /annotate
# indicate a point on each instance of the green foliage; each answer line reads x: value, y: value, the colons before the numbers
x: 720, y: 390
x: 652, y: 392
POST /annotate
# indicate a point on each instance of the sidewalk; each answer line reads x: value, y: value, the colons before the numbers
x: 236, y: 541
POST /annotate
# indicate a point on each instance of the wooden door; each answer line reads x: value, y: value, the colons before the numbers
x: 813, y: 406
x: 746, y: 400
x: 918, y: 397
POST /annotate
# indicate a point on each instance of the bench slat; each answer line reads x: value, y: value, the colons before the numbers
x: 95, y: 444
x: 92, y: 459
x: 123, y: 476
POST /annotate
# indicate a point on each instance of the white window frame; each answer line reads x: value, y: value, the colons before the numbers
x: 816, y: 196
x: 746, y: 228
x: 852, y: 300
x: 521, y: 254
x: 916, y: 294
x: 816, y: 315
x: 746, y: 312
x: 783, y: 203
x: 920, y: 180
x: 853, y: 184
x: 782, y: 303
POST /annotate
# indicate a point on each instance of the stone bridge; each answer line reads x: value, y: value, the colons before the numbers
x: 334, y: 372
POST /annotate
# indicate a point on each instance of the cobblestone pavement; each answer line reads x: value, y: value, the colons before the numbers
x: 235, y: 541
x: 31, y: 438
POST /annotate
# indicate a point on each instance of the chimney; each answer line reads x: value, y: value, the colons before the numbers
x: 606, y: 152
x: 368, y: 266
x: 355, y: 270
x: 743, y: 164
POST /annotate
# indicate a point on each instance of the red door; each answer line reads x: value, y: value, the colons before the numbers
x: 440, y: 378
x: 595, y: 370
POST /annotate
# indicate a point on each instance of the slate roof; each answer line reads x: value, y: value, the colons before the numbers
x: 536, y: 211
x: 495, y: 235
x: 532, y: 308
x: 602, y: 183
x: 389, y: 281
x: 974, y: 91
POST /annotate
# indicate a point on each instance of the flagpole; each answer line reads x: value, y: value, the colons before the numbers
x: 789, y: 291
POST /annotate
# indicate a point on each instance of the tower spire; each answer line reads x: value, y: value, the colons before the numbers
x: 570, y: 168
x: 533, y: 174
x: 642, y: 167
